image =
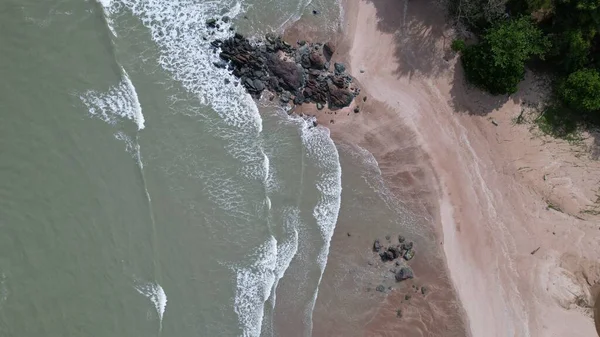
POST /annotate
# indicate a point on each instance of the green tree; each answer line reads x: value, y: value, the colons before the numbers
x: 581, y: 90
x: 497, y: 63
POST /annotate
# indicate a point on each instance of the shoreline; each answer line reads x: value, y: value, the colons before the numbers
x: 508, y: 205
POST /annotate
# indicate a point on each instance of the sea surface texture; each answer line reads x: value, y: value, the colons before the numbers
x: 141, y: 194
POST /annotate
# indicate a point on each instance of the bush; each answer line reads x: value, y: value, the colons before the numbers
x: 581, y: 90
x: 497, y: 64
x: 458, y: 45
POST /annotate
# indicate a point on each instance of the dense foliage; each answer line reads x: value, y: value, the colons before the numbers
x: 497, y: 63
x: 581, y: 90
x: 558, y: 36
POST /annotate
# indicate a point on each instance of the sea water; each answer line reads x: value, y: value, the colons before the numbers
x: 143, y: 195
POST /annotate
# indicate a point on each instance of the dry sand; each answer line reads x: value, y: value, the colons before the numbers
x: 497, y: 191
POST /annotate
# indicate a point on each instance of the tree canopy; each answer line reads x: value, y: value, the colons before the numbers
x: 581, y: 90
x: 497, y: 63
x: 561, y: 36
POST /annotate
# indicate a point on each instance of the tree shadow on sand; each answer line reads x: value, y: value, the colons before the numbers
x: 422, y: 33
x: 418, y: 27
x: 422, y: 36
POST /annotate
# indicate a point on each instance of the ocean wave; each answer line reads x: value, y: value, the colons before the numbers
x: 178, y: 29
x: 120, y: 101
x: 254, y: 284
x: 320, y: 147
x: 155, y: 293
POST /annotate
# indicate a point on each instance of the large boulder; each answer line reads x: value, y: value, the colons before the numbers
x: 287, y: 72
x: 339, y: 98
x: 404, y: 273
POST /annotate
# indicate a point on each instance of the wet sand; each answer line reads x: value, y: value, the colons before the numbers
x: 486, y: 191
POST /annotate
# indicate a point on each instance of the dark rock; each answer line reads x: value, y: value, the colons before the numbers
x: 316, y: 12
x: 348, y: 232
x: 386, y: 256
x: 380, y: 288
x: 339, y: 98
x: 423, y: 290
x: 299, y: 99
x: 338, y: 81
x: 395, y: 252
x: 339, y: 68
x: 356, y: 110
x: 376, y: 244
x: 407, y: 297
x: 365, y: 99
x: 328, y: 50
x: 404, y: 273
x: 407, y: 246
x: 226, y: 81
x: 285, y: 97
x: 301, y: 43
x: 401, y: 238
x: 287, y: 72
x: 387, y: 237
x: 317, y: 60
x: 259, y: 85
x: 225, y: 19
x: 398, y: 263
x: 211, y: 23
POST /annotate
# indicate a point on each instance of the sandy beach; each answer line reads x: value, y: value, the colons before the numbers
x: 515, y: 212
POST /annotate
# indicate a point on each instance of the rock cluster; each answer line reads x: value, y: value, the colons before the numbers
x: 297, y: 74
x: 403, y: 250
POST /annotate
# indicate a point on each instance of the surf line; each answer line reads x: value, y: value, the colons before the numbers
x: 160, y: 306
x: 156, y: 292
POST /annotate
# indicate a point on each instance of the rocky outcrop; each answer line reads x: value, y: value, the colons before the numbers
x: 299, y: 75
x: 376, y: 246
x: 404, y: 273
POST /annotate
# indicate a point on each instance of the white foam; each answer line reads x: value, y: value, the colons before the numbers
x: 288, y: 248
x: 155, y: 293
x: 254, y: 284
x: 321, y: 149
x: 178, y: 28
x: 120, y: 101
x: 106, y: 8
